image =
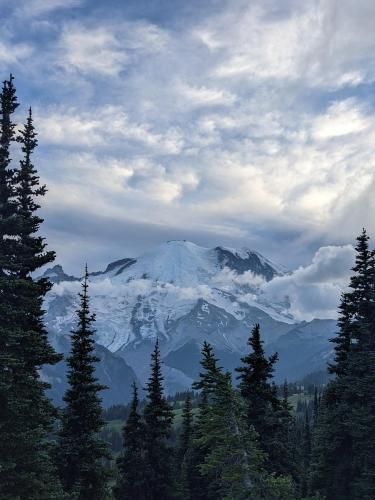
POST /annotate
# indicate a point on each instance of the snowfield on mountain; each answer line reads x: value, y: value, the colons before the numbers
x: 183, y: 294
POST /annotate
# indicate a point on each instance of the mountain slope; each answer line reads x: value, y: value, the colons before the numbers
x: 183, y: 294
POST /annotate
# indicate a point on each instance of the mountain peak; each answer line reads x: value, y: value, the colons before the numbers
x: 244, y: 259
x: 56, y: 274
x: 184, y: 263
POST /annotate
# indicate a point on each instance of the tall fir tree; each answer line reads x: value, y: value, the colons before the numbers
x: 263, y: 405
x: 355, y: 310
x: 27, y: 415
x: 229, y: 457
x: 315, y: 407
x: 184, y: 452
x: 343, y: 340
x: 80, y: 453
x: 186, y: 427
x: 9, y: 332
x: 208, y: 379
x: 287, y: 428
x: 158, y: 418
x: 343, y: 464
x: 8, y: 207
x: 132, y: 481
x: 305, y: 455
x: 233, y: 459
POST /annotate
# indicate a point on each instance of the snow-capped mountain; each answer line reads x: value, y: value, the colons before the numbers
x: 182, y: 294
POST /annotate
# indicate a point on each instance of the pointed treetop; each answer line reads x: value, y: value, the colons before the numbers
x: 135, y: 393
x: 85, y: 284
x: 209, y: 376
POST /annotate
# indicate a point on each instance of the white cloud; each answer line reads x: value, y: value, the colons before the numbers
x: 104, y: 126
x: 286, y: 176
x: 92, y: 51
x: 228, y: 122
x: 341, y: 118
x: 316, y: 42
x: 314, y: 291
x: 203, y: 96
x: 14, y: 53
x: 132, y: 289
x: 226, y: 279
x: 108, y: 49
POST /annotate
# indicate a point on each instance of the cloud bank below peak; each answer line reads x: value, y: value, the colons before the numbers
x: 308, y: 292
x: 313, y: 291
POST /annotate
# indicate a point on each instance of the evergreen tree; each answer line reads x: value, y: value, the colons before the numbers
x: 8, y: 207
x: 356, y: 309
x: 184, y: 455
x: 331, y: 468
x: 187, y: 426
x: 131, y: 464
x: 286, y: 434
x: 343, y: 462
x: 344, y: 339
x: 306, y: 454
x: 26, y: 470
x: 315, y: 407
x: 208, y: 379
x: 158, y: 418
x: 81, y: 452
x: 9, y: 333
x: 285, y: 401
x: 230, y: 460
x: 263, y: 405
x: 233, y: 458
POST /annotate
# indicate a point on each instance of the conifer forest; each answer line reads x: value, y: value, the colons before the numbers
x: 193, y: 371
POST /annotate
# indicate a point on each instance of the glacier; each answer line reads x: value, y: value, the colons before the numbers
x: 183, y: 294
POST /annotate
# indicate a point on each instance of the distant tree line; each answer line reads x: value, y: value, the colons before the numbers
x: 236, y: 440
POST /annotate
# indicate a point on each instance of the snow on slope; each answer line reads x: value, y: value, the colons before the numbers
x: 181, y: 263
x: 136, y: 300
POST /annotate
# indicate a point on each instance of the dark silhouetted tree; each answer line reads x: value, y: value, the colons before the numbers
x: 185, y: 451
x: 343, y: 462
x: 158, y: 418
x: 208, y: 378
x: 263, y: 406
x: 26, y: 470
x: 132, y: 480
x: 81, y: 452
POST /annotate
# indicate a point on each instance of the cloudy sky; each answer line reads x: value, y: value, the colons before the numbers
x: 222, y: 122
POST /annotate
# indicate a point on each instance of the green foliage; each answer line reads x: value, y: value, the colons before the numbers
x: 199, y: 484
x: 264, y: 410
x: 132, y: 482
x: 343, y: 462
x: 233, y: 459
x: 225, y: 459
x: 80, y: 453
x: 184, y: 463
x: 158, y: 418
x: 26, y: 415
x: 272, y: 487
x: 187, y: 427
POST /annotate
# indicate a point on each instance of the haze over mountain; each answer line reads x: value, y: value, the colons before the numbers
x: 183, y: 294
